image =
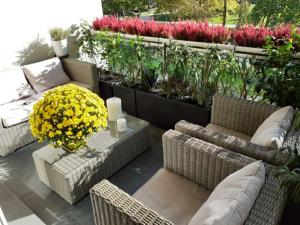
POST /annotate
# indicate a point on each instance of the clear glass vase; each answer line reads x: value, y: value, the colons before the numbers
x: 72, y: 147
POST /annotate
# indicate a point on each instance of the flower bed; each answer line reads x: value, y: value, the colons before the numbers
x: 249, y: 36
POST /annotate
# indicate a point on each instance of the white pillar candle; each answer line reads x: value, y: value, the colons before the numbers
x: 114, y: 108
x: 121, y: 125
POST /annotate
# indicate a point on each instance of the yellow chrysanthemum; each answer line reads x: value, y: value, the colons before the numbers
x: 67, y: 114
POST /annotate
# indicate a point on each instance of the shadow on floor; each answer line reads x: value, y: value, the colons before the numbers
x: 17, y: 172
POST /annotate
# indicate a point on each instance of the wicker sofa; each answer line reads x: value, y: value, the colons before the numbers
x: 233, y: 122
x: 201, y: 165
x: 18, y: 135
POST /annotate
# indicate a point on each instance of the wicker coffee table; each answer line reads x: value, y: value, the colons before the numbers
x: 72, y: 175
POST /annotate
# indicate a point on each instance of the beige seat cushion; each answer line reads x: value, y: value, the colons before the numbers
x: 231, y: 201
x: 80, y: 84
x: 172, y: 196
x: 227, y: 131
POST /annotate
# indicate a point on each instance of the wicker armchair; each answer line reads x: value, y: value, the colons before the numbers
x: 233, y: 122
x: 14, y: 137
x: 201, y: 164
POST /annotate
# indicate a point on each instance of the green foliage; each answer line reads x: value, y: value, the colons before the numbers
x: 220, y: 71
x: 289, y: 174
x: 124, y: 58
x: 124, y: 7
x: 188, y: 74
x: 152, y: 67
x: 176, y: 70
x: 193, y: 9
x: 273, y: 12
x: 200, y: 75
x: 58, y: 33
x: 279, y: 75
x: 243, y: 12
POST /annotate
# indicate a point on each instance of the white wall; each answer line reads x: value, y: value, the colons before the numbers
x: 24, y: 26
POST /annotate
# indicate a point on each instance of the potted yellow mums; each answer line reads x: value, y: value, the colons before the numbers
x: 67, y: 115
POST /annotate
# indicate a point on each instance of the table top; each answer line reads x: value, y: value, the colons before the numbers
x: 97, y: 146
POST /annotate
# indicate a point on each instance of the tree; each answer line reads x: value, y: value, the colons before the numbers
x: 224, y: 12
x: 243, y: 12
x: 274, y: 12
x: 124, y: 7
x: 188, y: 9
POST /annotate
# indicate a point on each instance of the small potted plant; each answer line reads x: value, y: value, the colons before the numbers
x: 59, y: 40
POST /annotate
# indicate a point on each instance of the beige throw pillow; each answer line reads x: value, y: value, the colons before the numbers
x: 13, y: 86
x: 46, y: 74
x: 233, y: 198
x: 272, y: 131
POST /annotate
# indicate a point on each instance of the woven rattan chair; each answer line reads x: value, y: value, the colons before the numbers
x: 19, y: 135
x: 198, y: 163
x: 233, y: 123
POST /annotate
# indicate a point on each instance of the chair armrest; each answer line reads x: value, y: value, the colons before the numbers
x: 83, y: 72
x: 269, y: 205
x: 200, y: 161
x: 238, y: 114
x: 113, y: 206
x: 269, y: 155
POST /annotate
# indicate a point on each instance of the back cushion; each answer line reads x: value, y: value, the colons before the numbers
x: 46, y: 74
x: 13, y: 86
x: 233, y: 198
x: 272, y: 132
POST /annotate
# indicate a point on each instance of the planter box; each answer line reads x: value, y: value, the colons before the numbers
x: 127, y: 96
x: 165, y: 113
x: 105, y: 90
x: 250, y: 50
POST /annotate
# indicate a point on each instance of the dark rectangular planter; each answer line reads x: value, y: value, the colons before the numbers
x: 165, y: 113
x: 105, y: 90
x: 127, y: 96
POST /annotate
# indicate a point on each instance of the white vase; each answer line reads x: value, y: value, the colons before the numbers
x: 60, y: 47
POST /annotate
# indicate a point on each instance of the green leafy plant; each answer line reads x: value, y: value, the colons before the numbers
x: 58, y: 34
x: 204, y: 76
x: 152, y: 67
x: 176, y: 70
x: 124, y: 58
x: 93, y: 45
x: 273, y: 12
x: 289, y: 174
x: 279, y: 79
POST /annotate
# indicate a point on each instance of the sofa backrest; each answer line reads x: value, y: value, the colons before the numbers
x: 241, y: 115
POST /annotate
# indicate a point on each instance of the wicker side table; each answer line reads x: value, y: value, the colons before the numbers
x: 72, y: 175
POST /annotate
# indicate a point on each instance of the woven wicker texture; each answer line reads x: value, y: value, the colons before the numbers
x: 112, y: 206
x: 14, y: 137
x: 269, y: 204
x: 198, y: 161
x: 227, y: 131
x: 72, y: 175
x: 238, y: 114
x: 269, y: 155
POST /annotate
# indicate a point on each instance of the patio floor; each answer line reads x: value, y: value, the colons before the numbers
x: 17, y: 172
